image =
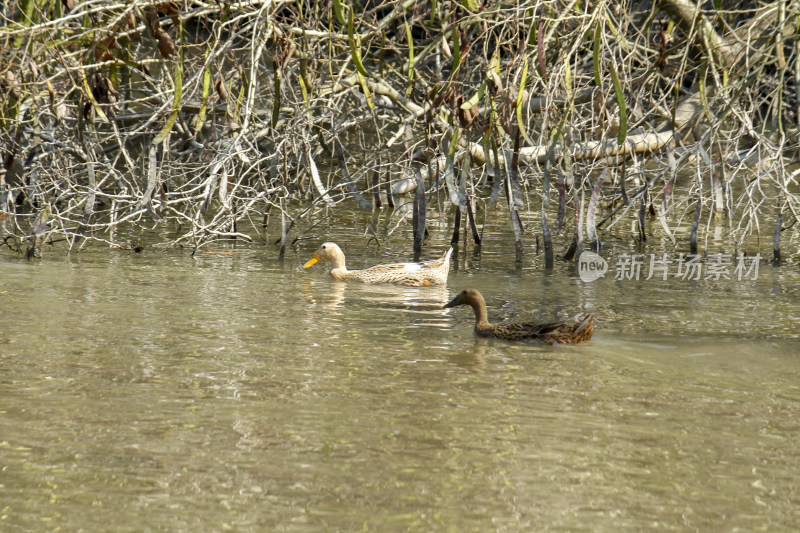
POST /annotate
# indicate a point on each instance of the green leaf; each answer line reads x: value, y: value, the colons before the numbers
x: 475, y: 97
x: 520, y: 96
x: 90, y: 96
x: 362, y: 81
x: 201, y: 114
x: 598, y: 80
x: 25, y: 19
x: 453, y: 143
x: 302, y: 79
x: 531, y: 13
x: 623, y: 115
x: 355, y: 52
x: 338, y: 10
x: 701, y: 87
x: 355, y: 46
x: 410, y: 41
x: 176, y: 103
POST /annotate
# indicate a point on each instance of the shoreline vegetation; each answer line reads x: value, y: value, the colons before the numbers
x: 216, y: 116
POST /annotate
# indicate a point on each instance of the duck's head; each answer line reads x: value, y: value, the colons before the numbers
x: 328, y: 251
x: 469, y: 297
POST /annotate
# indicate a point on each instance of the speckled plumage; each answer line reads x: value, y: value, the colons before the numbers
x: 551, y: 333
x: 410, y: 274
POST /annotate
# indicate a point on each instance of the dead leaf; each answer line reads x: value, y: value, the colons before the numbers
x: 11, y: 85
x: 129, y: 22
x: 496, y: 84
x: 222, y: 91
x: 61, y: 112
x: 151, y: 17
x: 110, y: 87
x: 102, y: 50
x: 165, y: 45
x: 169, y: 8
x: 51, y: 92
x: 446, y: 49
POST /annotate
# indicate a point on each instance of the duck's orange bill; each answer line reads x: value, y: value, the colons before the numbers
x: 311, y: 261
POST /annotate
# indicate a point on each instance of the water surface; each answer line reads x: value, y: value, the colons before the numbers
x: 228, y: 391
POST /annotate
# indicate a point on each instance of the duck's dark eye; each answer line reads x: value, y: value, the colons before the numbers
x: 323, y: 246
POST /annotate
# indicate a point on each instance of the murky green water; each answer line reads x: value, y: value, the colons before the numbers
x: 160, y: 391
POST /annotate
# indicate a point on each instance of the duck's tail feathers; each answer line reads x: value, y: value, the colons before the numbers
x: 586, y: 324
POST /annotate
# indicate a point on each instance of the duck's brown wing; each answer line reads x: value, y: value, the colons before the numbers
x: 551, y: 332
x: 521, y: 330
x: 584, y: 329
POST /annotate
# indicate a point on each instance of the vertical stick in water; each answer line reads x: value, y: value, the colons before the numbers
x: 283, y: 233
x: 662, y: 213
x: 579, y: 223
x: 34, y: 250
x: 471, y: 216
x: 418, y: 222
x: 376, y: 190
x: 88, y: 208
x: 695, y: 223
x: 642, y: 210
x: 667, y: 193
x: 456, y: 228
x: 512, y: 178
x: 719, y: 193
x: 152, y: 183
x: 622, y: 191
x: 497, y: 176
x: 546, y: 182
x: 562, y: 203
x: 514, y: 170
x: 449, y: 170
x: 389, y: 199
x: 576, y: 248
x: 591, y: 229
x: 515, y: 221
x: 415, y: 227
x: 776, y: 239
x: 673, y: 166
x: 462, y: 181
x: 265, y: 221
x: 548, y: 242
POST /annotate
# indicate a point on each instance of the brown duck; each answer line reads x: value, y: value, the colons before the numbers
x: 551, y: 333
